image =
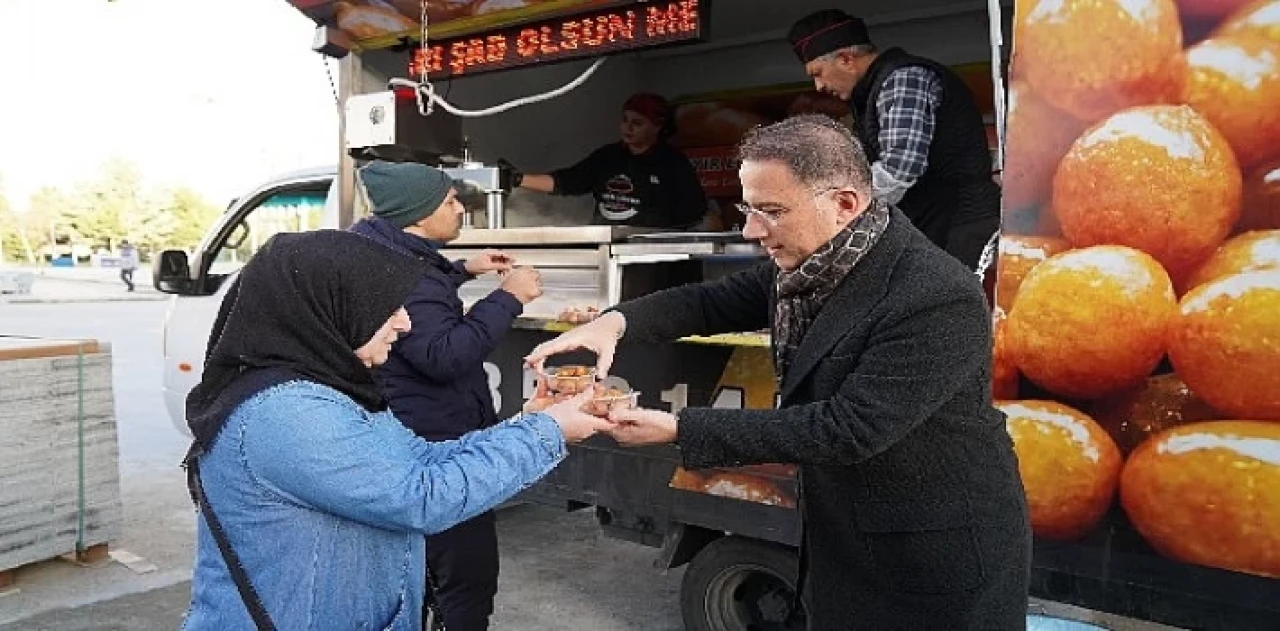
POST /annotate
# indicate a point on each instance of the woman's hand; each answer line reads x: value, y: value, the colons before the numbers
x: 576, y: 424
x: 542, y: 397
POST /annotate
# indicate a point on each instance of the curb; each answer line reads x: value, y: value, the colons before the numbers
x: 33, y: 301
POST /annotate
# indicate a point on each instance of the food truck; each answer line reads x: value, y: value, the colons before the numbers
x: 1135, y: 289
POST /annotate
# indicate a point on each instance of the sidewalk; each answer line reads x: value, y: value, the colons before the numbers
x: 81, y: 284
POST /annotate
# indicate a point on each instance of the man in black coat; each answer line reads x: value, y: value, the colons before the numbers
x: 919, y: 124
x: 914, y: 512
x: 435, y: 379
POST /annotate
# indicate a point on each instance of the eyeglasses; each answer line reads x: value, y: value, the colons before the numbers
x: 771, y: 216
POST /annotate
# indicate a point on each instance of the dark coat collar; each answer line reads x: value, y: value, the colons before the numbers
x: 857, y: 294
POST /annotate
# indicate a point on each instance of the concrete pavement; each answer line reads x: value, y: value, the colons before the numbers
x: 81, y: 284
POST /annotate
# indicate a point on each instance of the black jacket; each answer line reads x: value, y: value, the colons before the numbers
x: 955, y: 203
x: 434, y: 378
x: 914, y: 513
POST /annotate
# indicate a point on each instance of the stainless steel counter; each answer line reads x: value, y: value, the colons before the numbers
x: 545, y: 235
x: 599, y: 266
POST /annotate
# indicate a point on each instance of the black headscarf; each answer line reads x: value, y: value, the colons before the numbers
x: 298, y: 310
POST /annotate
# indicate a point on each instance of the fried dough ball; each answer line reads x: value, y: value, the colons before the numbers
x: 1091, y: 322
x: 1226, y: 344
x: 1261, y: 17
x: 1004, y: 373
x: 1093, y: 58
x: 1160, y: 403
x: 1261, y: 209
x: 1209, y: 494
x: 1018, y: 255
x: 1209, y: 9
x: 1244, y: 253
x: 1234, y: 82
x: 1157, y: 178
x: 1037, y: 137
x: 1069, y: 466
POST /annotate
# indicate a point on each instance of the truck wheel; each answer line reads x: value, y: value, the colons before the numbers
x: 737, y: 584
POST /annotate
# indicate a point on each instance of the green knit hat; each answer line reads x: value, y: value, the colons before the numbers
x: 404, y: 193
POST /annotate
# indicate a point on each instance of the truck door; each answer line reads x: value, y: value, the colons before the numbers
x: 290, y: 206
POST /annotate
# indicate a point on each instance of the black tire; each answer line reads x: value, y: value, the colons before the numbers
x: 737, y: 584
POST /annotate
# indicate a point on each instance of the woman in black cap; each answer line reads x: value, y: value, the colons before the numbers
x: 314, y: 499
x: 920, y: 127
x: 641, y: 180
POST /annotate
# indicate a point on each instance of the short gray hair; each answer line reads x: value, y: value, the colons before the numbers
x: 857, y: 50
x: 820, y: 151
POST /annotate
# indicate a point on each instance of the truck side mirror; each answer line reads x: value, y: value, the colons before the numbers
x: 171, y: 274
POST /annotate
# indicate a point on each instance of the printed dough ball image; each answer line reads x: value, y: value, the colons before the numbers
x: 1248, y: 252
x: 1069, y: 466
x: 1088, y: 323
x: 1261, y: 209
x: 687, y: 480
x: 1261, y: 17
x: 1004, y: 373
x: 1157, y: 178
x: 745, y: 487
x: 712, y: 124
x: 1234, y: 82
x: 1209, y: 9
x: 1160, y: 403
x: 1037, y: 137
x: 1093, y: 58
x: 1226, y: 344
x: 1018, y: 256
x: 367, y: 22
x: 1209, y: 494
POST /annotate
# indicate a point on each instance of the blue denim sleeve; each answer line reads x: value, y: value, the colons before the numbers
x: 312, y: 446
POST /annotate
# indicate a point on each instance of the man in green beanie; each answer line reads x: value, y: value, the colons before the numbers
x: 434, y: 378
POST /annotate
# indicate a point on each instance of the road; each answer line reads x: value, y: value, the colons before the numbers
x: 558, y: 571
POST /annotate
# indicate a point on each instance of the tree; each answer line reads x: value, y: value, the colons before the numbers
x: 191, y: 215
x: 19, y: 232
x: 118, y: 205
x: 102, y: 211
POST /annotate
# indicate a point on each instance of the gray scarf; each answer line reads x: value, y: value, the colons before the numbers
x: 803, y: 291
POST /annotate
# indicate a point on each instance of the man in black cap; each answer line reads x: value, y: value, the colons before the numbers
x: 919, y: 125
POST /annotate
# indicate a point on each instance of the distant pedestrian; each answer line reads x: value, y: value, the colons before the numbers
x: 128, y: 263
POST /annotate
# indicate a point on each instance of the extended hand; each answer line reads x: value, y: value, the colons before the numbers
x: 542, y: 397
x: 599, y: 336
x: 643, y: 427
x: 489, y: 261
x: 576, y: 424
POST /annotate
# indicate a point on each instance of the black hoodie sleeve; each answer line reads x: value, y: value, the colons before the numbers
x: 581, y: 178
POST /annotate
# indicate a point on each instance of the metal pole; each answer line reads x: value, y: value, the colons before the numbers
x: 349, y: 73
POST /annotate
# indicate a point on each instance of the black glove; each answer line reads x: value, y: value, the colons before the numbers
x: 509, y: 178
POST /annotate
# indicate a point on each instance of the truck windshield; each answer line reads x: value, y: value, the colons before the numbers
x: 287, y: 211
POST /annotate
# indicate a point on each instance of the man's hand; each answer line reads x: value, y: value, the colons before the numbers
x: 643, y: 427
x: 576, y: 424
x: 525, y: 283
x: 599, y: 336
x: 489, y: 261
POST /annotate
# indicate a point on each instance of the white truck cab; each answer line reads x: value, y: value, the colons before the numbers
x: 292, y: 202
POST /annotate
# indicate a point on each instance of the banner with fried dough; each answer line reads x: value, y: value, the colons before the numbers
x: 1137, y: 311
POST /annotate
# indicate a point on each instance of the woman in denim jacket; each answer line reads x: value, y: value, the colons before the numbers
x: 323, y: 497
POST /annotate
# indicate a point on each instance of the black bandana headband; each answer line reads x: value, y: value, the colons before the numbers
x: 825, y: 32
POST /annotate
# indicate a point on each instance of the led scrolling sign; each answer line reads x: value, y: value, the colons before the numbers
x: 564, y: 38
